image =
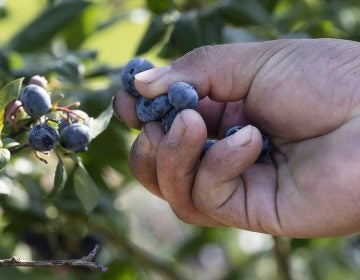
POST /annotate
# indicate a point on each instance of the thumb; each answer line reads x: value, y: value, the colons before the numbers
x: 223, y: 72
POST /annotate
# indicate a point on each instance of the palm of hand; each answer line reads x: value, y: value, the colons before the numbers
x: 310, y: 112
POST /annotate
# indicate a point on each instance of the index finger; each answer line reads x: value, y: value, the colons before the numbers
x: 124, y: 106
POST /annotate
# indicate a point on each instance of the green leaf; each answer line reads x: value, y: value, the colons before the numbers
x: 211, y: 28
x: 81, y: 28
x: 85, y: 188
x: 43, y: 28
x: 159, y: 6
x: 269, y: 4
x: 99, y: 124
x: 7, y: 94
x: 9, y: 143
x: 60, y: 178
x: 4, y: 157
x: 243, y: 12
x: 70, y: 68
x: 153, y: 35
x: 179, y: 43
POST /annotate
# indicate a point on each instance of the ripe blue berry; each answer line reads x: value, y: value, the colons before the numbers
x: 265, y: 149
x: 168, y: 119
x: 161, y: 105
x: 208, y: 144
x: 42, y: 137
x: 266, y: 145
x: 144, y: 110
x: 35, y: 100
x: 183, y: 96
x: 233, y: 130
x: 133, y: 67
x: 75, y: 137
x: 62, y: 124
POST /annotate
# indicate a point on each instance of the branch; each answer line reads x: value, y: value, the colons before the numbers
x: 84, y: 262
x: 282, y: 253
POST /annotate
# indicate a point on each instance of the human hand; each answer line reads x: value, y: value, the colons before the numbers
x: 304, y: 94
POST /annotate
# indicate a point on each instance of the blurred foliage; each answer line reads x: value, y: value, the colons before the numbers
x: 140, y: 237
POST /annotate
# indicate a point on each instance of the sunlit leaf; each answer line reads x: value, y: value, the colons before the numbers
x: 44, y: 27
x: 80, y: 28
x: 159, y: 6
x: 99, y: 124
x: 4, y: 157
x: 7, y: 94
x: 9, y: 143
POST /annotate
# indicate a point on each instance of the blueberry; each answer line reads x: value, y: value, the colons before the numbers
x: 75, y: 137
x: 265, y: 149
x: 207, y: 146
x: 35, y: 100
x: 168, y: 119
x: 161, y: 105
x: 63, y: 123
x: 266, y: 145
x: 183, y: 96
x: 144, y: 110
x: 42, y: 137
x: 133, y: 67
x: 233, y: 130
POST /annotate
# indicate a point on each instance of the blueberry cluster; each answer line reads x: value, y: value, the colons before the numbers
x: 49, y: 122
x: 163, y: 108
x: 265, y: 149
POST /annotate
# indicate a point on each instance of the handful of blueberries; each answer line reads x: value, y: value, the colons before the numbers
x: 164, y: 108
x: 49, y: 123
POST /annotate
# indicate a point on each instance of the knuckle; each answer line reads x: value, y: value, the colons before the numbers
x: 198, y: 56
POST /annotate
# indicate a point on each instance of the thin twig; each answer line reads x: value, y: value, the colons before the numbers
x: 84, y: 262
x: 282, y: 253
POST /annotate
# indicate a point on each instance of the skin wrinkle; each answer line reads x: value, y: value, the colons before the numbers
x: 342, y: 65
x: 276, y: 207
x: 219, y: 124
x: 263, y: 63
x: 231, y: 194
x: 351, y: 70
x: 245, y: 184
x: 212, y: 91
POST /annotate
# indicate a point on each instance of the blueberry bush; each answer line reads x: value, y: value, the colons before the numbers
x: 64, y: 181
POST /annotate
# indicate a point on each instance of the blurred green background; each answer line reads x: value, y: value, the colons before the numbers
x: 80, y: 46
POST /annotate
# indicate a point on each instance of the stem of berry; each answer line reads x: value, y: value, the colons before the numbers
x: 68, y: 111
